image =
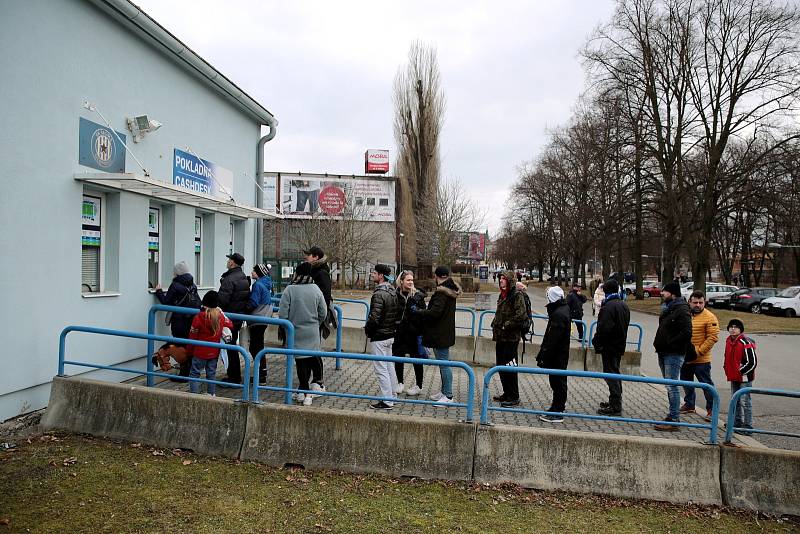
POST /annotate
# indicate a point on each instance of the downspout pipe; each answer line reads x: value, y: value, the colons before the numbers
x: 260, y: 171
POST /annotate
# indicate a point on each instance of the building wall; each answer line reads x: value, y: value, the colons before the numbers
x: 55, y: 56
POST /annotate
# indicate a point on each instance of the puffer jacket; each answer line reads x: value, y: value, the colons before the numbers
x: 705, y: 334
x: 612, y: 326
x: 321, y: 273
x: 554, y: 353
x: 439, y: 320
x: 234, y: 291
x: 384, y: 313
x: 674, y: 332
x: 408, y: 327
x: 509, y: 316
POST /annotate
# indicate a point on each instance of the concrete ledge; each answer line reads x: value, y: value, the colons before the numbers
x: 635, y: 467
x: 577, y: 358
x: 207, y: 425
x: 464, y: 349
x: 485, y: 352
x: 631, y: 363
x: 761, y: 479
x: 359, y: 442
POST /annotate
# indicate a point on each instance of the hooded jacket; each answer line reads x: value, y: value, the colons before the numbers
x: 510, y: 314
x: 612, y: 326
x: 180, y: 286
x: 408, y: 326
x: 321, y: 273
x: 234, y: 291
x: 674, y: 328
x: 384, y: 313
x: 740, y: 359
x: 554, y: 352
x: 439, y: 320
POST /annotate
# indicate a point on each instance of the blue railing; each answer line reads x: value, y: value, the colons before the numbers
x: 471, y: 327
x: 360, y: 302
x: 638, y: 341
x: 485, y: 407
x: 62, y: 361
x: 732, y: 405
x: 151, y: 328
x: 533, y: 325
x: 291, y: 353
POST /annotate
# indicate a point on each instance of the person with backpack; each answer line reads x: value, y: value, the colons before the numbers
x: 181, y: 292
x: 740, y: 370
x: 575, y: 301
x: 507, y: 329
x: 206, y: 326
x: 261, y: 303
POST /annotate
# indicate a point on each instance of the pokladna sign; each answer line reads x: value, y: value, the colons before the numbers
x: 201, y: 176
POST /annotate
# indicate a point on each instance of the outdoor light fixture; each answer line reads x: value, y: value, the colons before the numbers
x: 141, y: 125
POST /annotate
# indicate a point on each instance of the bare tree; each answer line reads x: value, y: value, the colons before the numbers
x: 419, y: 106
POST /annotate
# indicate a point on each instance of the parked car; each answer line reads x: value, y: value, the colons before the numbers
x: 786, y: 303
x: 630, y: 288
x: 712, y: 290
x: 720, y: 301
x: 652, y: 289
x: 750, y: 298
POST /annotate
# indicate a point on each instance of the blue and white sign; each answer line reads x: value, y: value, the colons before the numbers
x: 99, y: 148
x: 201, y: 176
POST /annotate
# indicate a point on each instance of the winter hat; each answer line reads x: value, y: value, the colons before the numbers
x: 554, y: 293
x: 261, y: 270
x: 737, y: 323
x: 442, y: 271
x: 304, y: 269
x: 673, y: 287
x: 211, y: 299
x: 181, y: 268
x: 611, y: 287
x: 382, y: 268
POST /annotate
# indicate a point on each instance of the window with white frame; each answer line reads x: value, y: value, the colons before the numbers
x: 92, y: 243
x: 153, y: 245
x: 198, y: 249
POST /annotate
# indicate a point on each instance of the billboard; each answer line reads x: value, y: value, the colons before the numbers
x: 306, y: 196
x: 376, y: 161
x: 201, y: 176
x: 471, y: 246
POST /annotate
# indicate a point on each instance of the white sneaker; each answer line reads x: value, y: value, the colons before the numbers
x: 317, y: 387
x: 298, y: 397
x: 413, y: 391
x: 308, y: 400
x: 444, y: 400
x: 436, y: 396
x: 399, y: 389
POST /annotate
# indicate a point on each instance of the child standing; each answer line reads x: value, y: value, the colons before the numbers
x: 740, y: 367
x: 206, y: 326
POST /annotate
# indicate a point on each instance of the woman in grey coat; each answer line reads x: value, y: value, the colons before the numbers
x: 303, y: 305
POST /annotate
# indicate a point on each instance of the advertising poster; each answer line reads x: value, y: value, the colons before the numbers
x: 201, y: 176
x: 376, y: 161
x: 152, y: 230
x: 471, y: 246
x: 90, y: 221
x: 364, y: 199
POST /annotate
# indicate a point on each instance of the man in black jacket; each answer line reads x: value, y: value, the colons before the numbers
x: 234, y: 297
x: 384, y: 314
x: 610, y: 341
x: 575, y: 301
x: 673, y: 336
x: 554, y: 353
x: 439, y: 327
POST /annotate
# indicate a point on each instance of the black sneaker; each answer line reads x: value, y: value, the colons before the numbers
x: 500, y: 398
x: 509, y: 403
x: 262, y: 379
x: 548, y: 418
x: 380, y: 405
x: 608, y: 410
x: 605, y: 404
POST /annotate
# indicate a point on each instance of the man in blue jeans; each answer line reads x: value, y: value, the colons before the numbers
x: 673, y: 337
x: 439, y: 328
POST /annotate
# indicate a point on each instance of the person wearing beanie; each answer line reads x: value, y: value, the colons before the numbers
x: 554, y: 352
x: 740, y: 370
x: 610, y: 341
x: 381, y: 327
x: 303, y: 304
x: 697, y: 364
x: 182, y: 292
x: 509, y: 320
x: 234, y: 297
x: 439, y: 328
x: 261, y: 303
x: 673, y: 337
x: 206, y: 326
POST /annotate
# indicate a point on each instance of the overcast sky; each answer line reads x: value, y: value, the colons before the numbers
x: 509, y: 71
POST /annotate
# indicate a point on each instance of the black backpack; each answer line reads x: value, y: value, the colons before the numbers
x: 191, y: 299
x: 526, y: 326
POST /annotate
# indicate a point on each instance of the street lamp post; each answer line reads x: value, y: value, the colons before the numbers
x: 402, y: 235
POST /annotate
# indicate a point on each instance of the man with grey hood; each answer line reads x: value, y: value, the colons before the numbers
x: 554, y: 353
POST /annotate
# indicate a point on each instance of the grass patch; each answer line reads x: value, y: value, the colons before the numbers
x: 68, y: 483
x: 754, y: 323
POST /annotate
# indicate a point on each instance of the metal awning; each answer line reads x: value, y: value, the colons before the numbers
x: 145, y: 185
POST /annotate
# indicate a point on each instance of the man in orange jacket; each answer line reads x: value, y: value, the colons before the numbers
x: 705, y: 334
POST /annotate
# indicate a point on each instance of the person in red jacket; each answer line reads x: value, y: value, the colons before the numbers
x: 206, y: 326
x: 740, y: 370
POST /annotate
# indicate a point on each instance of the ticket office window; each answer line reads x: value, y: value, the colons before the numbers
x: 92, y: 243
x: 198, y: 249
x: 153, y: 246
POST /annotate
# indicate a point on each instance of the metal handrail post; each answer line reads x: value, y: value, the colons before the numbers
x: 591, y: 333
x: 339, y: 319
x: 472, y: 313
x: 480, y: 320
x: 361, y: 302
x: 641, y: 333
x: 733, y: 405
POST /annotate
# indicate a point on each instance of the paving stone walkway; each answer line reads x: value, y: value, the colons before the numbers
x: 640, y: 400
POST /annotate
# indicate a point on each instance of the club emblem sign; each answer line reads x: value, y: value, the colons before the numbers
x: 100, y: 148
x: 103, y: 147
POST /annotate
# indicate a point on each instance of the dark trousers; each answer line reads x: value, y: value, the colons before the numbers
x: 304, y: 366
x: 256, y: 345
x: 559, y: 386
x: 317, y: 369
x: 611, y: 365
x: 399, y: 368
x: 579, y: 326
x: 234, y: 366
x: 506, y: 354
x: 703, y: 373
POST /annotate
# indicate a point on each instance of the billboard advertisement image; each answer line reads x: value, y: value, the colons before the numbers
x: 376, y: 161
x: 305, y: 196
